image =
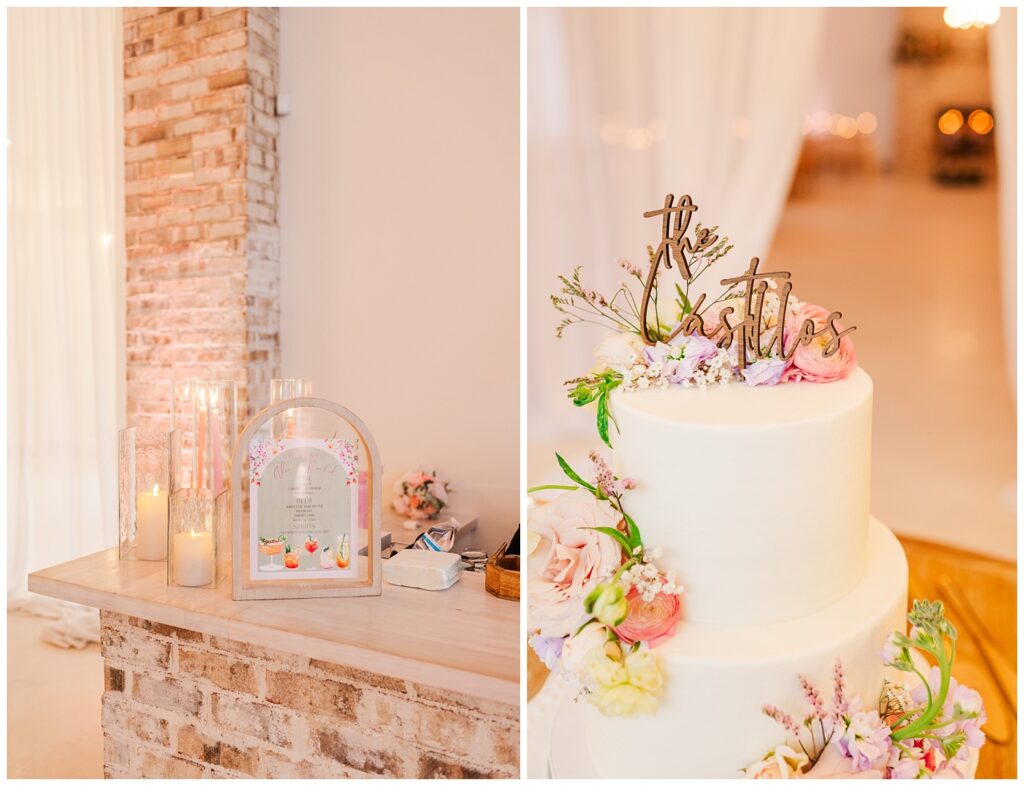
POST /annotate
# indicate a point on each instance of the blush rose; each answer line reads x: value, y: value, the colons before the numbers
x: 572, y: 559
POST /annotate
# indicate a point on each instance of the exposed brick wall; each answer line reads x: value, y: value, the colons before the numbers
x: 201, y: 191
x: 179, y: 703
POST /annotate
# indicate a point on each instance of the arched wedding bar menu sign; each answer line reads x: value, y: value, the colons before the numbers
x: 305, y: 504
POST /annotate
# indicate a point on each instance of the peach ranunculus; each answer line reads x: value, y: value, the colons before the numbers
x: 571, y: 560
x: 653, y: 621
x: 809, y: 363
x: 783, y: 762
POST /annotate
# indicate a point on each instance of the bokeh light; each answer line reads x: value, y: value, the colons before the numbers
x: 867, y: 123
x: 951, y: 121
x: 980, y: 121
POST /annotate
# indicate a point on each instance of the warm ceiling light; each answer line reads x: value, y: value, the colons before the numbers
x: 980, y: 121
x: 951, y: 121
x: 867, y: 123
x: 964, y: 16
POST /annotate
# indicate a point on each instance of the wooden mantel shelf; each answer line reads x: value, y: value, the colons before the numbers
x: 460, y: 639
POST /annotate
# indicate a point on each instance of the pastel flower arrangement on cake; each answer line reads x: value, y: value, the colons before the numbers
x: 598, y: 603
x: 420, y: 495
x: 930, y: 731
x: 599, y: 606
x: 756, y: 331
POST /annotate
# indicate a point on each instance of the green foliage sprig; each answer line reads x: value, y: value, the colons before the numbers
x: 597, y: 387
x: 932, y: 635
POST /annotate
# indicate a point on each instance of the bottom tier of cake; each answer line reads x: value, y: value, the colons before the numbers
x: 709, y: 723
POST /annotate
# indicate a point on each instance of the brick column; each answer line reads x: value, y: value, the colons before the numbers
x: 201, y: 196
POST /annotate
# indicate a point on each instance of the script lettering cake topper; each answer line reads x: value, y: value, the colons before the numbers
x: 675, y: 245
x: 755, y: 331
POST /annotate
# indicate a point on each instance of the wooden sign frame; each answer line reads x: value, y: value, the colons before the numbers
x: 245, y: 588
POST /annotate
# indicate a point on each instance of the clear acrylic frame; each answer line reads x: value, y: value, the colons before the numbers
x: 331, y: 428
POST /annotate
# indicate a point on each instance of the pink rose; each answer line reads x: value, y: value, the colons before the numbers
x: 571, y: 559
x: 652, y: 621
x: 808, y: 361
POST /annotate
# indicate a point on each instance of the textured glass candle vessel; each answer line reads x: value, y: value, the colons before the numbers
x: 206, y: 414
x: 286, y: 425
x: 196, y: 520
x: 146, y: 479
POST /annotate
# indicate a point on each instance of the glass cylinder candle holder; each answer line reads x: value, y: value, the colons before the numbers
x: 146, y: 471
x: 206, y: 414
x: 286, y: 425
x: 196, y: 521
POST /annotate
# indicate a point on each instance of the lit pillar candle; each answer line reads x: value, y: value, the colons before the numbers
x: 193, y: 559
x: 151, y: 518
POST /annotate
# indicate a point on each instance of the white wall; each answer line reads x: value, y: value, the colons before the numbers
x: 399, y: 225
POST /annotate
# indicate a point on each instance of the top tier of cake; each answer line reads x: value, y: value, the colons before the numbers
x: 759, y: 497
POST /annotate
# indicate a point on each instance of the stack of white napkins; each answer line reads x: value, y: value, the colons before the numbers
x: 432, y: 570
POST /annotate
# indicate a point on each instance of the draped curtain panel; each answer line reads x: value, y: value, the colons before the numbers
x: 627, y: 105
x: 65, y: 293
x: 1003, y: 64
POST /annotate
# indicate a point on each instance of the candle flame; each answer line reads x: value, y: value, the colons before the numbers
x: 192, y: 532
x: 156, y: 489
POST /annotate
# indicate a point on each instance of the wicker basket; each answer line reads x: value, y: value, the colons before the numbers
x: 501, y: 577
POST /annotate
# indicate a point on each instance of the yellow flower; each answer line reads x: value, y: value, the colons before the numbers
x: 624, y: 701
x: 643, y: 671
x: 624, y: 686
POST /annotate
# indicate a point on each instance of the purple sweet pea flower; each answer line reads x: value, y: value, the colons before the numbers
x: 548, y: 649
x: 766, y: 371
x: 695, y: 349
x: 866, y: 741
x: 960, y: 700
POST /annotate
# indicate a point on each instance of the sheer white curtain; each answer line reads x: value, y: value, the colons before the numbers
x: 627, y: 105
x: 1003, y: 64
x: 65, y: 300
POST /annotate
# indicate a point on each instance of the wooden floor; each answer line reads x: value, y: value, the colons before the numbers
x: 980, y: 594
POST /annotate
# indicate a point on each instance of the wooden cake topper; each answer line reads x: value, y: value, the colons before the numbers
x: 676, y: 247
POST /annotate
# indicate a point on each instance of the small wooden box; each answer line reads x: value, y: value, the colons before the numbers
x: 501, y: 577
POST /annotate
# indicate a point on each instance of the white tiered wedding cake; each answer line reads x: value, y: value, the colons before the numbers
x: 758, y: 498
x: 718, y: 603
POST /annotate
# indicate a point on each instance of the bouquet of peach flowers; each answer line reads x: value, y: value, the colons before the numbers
x: 420, y: 495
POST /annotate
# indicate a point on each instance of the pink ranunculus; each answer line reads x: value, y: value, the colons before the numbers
x: 808, y: 362
x: 651, y: 621
x: 571, y: 559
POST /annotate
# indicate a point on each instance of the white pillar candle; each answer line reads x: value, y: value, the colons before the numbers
x: 151, y: 520
x: 193, y: 559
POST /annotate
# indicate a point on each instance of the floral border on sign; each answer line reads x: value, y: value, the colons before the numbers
x: 261, y: 453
